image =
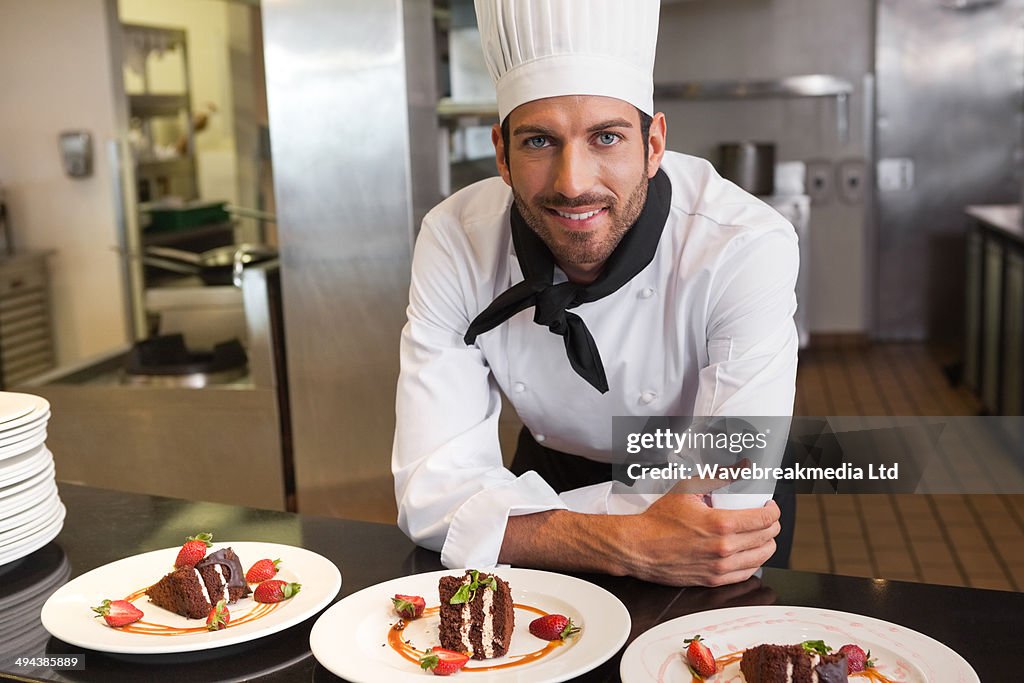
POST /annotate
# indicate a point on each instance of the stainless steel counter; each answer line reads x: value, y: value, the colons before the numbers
x: 1007, y: 218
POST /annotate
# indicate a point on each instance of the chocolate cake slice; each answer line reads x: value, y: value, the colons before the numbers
x: 791, y: 664
x: 222, y: 572
x: 192, y: 593
x: 477, y: 614
x: 182, y: 592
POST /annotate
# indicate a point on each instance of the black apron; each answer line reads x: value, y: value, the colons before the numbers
x: 564, y: 472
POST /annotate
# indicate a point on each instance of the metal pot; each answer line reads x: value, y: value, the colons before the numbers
x: 218, y: 266
x: 751, y: 165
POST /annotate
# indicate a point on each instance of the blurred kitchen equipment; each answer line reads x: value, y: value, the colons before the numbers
x: 182, y: 215
x: 751, y: 165
x: 796, y: 208
x: 218, y: 266
x: 165, y: 361
x: 6, y: 246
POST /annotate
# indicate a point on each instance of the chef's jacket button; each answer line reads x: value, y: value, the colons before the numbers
x: 519, y: 387
x: 539, y: 438
x: 647, y: 396
x: 646, y: 293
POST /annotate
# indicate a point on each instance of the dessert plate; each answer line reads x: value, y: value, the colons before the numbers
x: 67, y: 614
x: 351, y: 638
x: 901, y: 654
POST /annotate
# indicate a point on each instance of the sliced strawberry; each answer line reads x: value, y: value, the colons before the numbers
x: 408, y: 606
x: 219, y: 617
x: 699, y: 657
x: 193, y: 550
x: 443, y: 662
x: 856, y: 659
x: 275, y: 590
x: 118, y: 613
x: 262, y: 570
x: 553, y: 627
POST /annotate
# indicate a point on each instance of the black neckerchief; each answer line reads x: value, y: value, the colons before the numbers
x: 633, y: 253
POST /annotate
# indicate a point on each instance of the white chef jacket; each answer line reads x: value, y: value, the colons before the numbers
x: 706, y: 329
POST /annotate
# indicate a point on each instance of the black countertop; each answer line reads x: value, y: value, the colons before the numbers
x: 103, y: 526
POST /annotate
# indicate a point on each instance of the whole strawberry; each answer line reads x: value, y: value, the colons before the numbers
x: 193, y: 550
x: 443, y: 662
x: 275, y: 590
x: 408, y: 606
x: 700, y: 658
x: 553, y: 627
x: 219, y: 617
x: 856, y: 658
x: 262, y: 570
x: 118, y: 613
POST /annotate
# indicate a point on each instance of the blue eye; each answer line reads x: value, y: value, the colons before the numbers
x: 536, y: 142
x: 607, y: 138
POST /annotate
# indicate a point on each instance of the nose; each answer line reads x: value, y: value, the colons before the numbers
x: 575, y: 170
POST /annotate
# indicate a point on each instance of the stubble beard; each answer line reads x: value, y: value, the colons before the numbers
x: 583, y: 248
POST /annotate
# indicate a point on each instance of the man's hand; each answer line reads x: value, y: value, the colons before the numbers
x: 678, y: 541
x: 681, y: 541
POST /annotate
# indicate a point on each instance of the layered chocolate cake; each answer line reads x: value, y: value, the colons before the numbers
x: 791, y: 664
x: 192, y: 593
x: 477, y: 614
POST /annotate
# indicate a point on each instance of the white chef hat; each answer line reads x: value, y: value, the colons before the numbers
x: 547, y: 48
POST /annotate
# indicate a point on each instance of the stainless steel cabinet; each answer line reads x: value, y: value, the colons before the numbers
x: 994, y: 325
x: 26, y: 331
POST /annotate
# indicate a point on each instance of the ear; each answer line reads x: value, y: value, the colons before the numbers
x: 499, y: 154
x: 656, y: 143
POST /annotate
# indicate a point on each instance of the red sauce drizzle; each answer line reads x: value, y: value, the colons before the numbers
x: 397, y: 642
x: 150, y: 628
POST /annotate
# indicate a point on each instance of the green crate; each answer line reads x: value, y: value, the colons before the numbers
x: 186, y: 216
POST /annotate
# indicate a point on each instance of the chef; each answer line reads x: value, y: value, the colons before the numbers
x: 600, y: 275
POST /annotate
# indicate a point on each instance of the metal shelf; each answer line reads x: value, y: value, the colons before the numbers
x: 148, y: 105
x: 814, y: 85
x: 453, y: 113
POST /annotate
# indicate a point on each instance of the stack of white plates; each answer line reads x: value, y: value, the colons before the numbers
x: 31, y: 513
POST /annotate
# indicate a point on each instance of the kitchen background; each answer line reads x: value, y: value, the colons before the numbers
x: 320, y: 132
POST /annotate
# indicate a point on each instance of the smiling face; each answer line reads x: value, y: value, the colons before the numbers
x: 578, y: 171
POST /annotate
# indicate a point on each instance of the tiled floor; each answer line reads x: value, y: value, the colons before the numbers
x: 964, y: 540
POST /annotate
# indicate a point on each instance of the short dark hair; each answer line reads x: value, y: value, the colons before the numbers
x: 645, y: 132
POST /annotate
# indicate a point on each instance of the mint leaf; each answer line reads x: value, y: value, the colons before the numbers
x: 467, y: 591
x: 816, y: 647
x: 462, y: 595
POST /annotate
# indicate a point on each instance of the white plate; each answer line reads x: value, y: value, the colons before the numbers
x: 15, y: 406
x: 37, y: 420
x: 45, y: 516
x: 23, y: 446
x: 32, y: 543
x: 68, y: 615
x: 26, y: 484
x: 42, y: 507
x: 23, y: 466
x: 9, y: 438
x: 13, y: 504
x: 347, y: 638
x: 901, y: 654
